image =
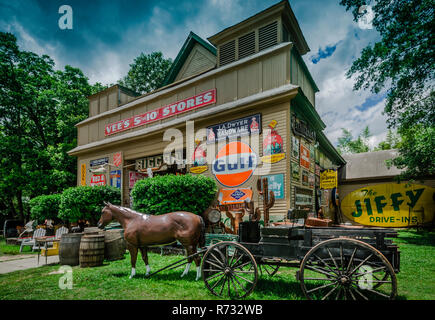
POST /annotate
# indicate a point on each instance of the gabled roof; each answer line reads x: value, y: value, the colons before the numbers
x: 187, y: 47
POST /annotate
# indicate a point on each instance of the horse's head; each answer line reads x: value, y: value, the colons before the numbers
x: 106, y: 215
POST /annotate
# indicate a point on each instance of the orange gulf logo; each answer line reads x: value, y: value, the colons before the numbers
x: 234, y: 164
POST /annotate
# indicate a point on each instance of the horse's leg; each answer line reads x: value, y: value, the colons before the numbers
x: 144, y: 252
x: 133, y: 257
x: 191, y: 249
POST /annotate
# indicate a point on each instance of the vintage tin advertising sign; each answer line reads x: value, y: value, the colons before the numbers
x: 199, y: 159
x: 83, y: 174
x: 234, y: 195
x: 390, y: 205
x: 201, y: 100
x: 328, y: 179
x: 305, y: 157
x: 273, y: 147
x: 115, y: 178
x: 117, y: 159
x: 134, y: 177
x: 234, y: 164
x: 98, y: 180
x: 276, y: 184
x: 99, y: 162
x: 235, y: 128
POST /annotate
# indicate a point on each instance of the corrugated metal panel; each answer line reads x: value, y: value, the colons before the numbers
x: 268, y: 36
x: 227, y: 53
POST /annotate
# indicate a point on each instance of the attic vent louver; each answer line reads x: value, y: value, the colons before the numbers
x: 227, y: 53
x: 268, y: 36
x: 246, y: 45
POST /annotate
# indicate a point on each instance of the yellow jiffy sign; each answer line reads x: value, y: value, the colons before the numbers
x: 390, y: 205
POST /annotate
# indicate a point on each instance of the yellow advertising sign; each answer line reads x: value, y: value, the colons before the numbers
x: 83, y: 174
x: 328, y: 179
x: 390, y: 205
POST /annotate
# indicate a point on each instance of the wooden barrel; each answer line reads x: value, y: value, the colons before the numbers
x: 91, y: 250
x: 69, y: 247
x: 92, y: 230
x: 114, y: 244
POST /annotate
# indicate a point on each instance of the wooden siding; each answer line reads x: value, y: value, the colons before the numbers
x: 265, y: 72
x: 298, y: 76
x: 199, y: 60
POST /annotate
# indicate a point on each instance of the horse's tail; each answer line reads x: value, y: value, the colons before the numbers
x: 201, y: 241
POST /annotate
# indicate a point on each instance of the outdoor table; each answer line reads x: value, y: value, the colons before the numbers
x: 45, y: 241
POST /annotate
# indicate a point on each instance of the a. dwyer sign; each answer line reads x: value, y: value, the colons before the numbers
x: 200, y: 100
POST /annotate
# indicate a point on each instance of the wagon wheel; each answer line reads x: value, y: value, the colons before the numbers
x: 347, y: 269
x: 229, y: 270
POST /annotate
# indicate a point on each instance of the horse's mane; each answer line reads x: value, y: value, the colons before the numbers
x: 120, y: 209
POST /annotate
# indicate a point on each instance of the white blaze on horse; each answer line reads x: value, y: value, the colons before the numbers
x: 144, y: 230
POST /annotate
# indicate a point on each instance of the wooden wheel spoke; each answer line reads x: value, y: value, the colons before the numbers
x: 329, y: 293
x: 321, y: 279
x: 321, y: 287
x: 214, y: 264
x: 357, y: 267
x: 324, y: 263
x: 242, y: 265
x: 217, y: 282
x: 238, y: 259
x: 351, y: 259
x: 232, y: 258
x: 214, y: 276
x: 234, y: 286
x: 320, y: 270
x: 351, y: 293
x: 378, y: 293
x: 223, y: 285
x: 217, y: 260
x: 371, y: 271
x: 357, y: 291
x: 247, y: 280
x: 333, y: 260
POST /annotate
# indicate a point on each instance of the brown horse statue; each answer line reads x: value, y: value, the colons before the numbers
x: 144, y: 230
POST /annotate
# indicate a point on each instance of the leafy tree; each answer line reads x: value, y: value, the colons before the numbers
x: 402, y: 62
x: 347, y: 144
x: 147, y: 72
x: 392, y: 141
x: 39, y: 107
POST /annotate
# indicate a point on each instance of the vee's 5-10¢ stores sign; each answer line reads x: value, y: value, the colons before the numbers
x: 198, y: 101
x: 390, y: 205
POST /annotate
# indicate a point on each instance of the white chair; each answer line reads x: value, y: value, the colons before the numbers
x: 59, y: 233
x: 31, y: 242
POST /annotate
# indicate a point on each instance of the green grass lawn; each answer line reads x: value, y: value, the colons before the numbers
x: 6, y: 249
x: 415, y: 281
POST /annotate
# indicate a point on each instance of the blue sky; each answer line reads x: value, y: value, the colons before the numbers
x: 108, y: 34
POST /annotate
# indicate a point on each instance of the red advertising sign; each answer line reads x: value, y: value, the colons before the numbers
x: 98, y: 180
x: 117, y: 159
x: 305, y: 157
x: 134, y: 177
x: 198, y: 101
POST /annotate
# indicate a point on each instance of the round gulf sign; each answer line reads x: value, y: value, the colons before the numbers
x: 234, y: 164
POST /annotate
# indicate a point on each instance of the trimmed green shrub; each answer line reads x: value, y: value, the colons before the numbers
x: 45, y: 207
x: 86, y: 202
x: 163, y: 194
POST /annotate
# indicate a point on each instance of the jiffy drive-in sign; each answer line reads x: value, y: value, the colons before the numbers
x: 390, y: 205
